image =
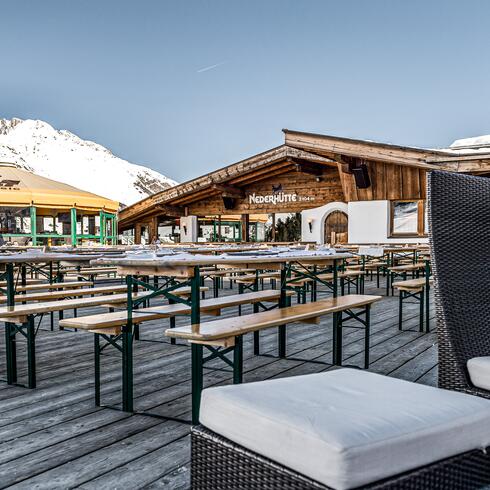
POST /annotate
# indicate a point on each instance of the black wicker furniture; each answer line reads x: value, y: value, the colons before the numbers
x: 342, y: 429
x: 459, y: 220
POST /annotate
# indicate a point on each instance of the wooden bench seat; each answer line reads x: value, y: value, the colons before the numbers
x: 60, y: 294
x: 226, y: 335
x: 226, y: 272
x: 407, y: 267
x: 28, y: 281
x: 225, y: 328
x: 250, y: 278
x: 416, y: 289
x: 90, y: 270
x: 111, y: 323
x: 112, y: 271
x: 19, y: 312
x: 411, y: 284
x: 54, y: 285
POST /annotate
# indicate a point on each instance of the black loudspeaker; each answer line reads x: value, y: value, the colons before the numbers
x: 229, y: 202
x: 361, y: 176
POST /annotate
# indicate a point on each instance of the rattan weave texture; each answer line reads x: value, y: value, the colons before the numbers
x: 219, y: 464
x: 459, y: 224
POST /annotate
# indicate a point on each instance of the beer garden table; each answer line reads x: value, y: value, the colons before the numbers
x: 186, y: 269
x: 39, y: 262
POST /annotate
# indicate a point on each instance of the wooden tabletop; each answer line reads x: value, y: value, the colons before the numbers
x: 189, y: 260
x: 43, y: 257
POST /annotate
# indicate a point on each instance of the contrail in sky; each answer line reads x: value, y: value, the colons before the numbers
x: 207, y: 68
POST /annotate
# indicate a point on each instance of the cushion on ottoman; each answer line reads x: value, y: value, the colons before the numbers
x: 347, y: 428
x: 479, y: 371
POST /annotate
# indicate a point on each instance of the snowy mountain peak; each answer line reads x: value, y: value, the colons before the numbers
x: 61, y: 155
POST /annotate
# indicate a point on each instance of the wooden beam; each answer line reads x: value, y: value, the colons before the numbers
x: 331, y: 145
x: 308, y: 169
x: 175, y: 211
x: 227, y: 190
x: 245, y: 221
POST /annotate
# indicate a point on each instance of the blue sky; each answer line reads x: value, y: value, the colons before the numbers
x: 189, y: 86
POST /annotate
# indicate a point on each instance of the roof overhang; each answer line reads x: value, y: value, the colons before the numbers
x: 335, y: 146
x: 228, y: 181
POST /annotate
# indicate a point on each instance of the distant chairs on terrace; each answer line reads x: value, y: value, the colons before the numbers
x: 459, y: 217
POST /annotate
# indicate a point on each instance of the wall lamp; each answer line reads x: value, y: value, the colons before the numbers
x: 185, y: 229
x: 310, y: 224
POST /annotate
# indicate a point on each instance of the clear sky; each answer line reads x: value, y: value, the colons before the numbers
x: 186, y: 87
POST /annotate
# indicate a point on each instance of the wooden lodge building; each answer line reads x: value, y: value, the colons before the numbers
x: 346, y: 190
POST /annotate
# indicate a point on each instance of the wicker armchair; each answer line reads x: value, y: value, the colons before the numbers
x: 459, y: 218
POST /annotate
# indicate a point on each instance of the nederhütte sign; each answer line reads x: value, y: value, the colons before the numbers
x: 277, y: 198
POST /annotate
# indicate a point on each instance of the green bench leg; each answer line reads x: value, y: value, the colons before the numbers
x: 338, y: 330
x: 216, y: 286
x: 11, y: 353
x: 31, y: 353
x: 427, y: 298
x: 238, y: 360
x: 197, y: 380
x: 337, y: 339
x: 400, y: 309
x: 281, y: 338
x: 421, y: 326
x: 97, y: 369
x: 127, y: 371
x: 367, y: 337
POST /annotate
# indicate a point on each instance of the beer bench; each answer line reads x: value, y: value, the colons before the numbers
x: 416, y: 289
x: 112, y: 323
x: 70, y: 292
x: 402, y: 270
x: 53, y: 286
x: 109, y: 326
x: 21, y: 319
x: 224, y: 336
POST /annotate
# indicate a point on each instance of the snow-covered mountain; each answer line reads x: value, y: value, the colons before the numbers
x: 60, y: 155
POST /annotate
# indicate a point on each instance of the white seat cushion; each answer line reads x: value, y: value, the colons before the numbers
x: 347, y: 428
x: 479, y: 371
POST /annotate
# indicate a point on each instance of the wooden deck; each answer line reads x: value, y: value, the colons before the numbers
x: 54, y: 436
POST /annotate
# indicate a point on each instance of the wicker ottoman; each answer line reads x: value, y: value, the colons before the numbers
x: 343, y: 429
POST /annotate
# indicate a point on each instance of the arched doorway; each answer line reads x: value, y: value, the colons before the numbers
x: 336, y: 228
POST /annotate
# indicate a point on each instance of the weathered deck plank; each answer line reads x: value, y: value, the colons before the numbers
x: 54, y: 436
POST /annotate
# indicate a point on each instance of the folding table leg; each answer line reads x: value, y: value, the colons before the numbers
x: 97, y: 368
x: 127, y: 371
x: 238, y: 360
x: 11, y: 353
x: 281, y: 340
x: 366, y: 336
x: 421, y: 296
x: 31, y: 353
x: 400, y: 310
x: 197, y: 380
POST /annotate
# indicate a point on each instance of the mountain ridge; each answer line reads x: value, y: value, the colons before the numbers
x: 61, y: 155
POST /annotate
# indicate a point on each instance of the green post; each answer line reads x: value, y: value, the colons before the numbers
x: 33, y: 225
x: 102, y: 227
x: 114, y: 229
x: 73, y: 227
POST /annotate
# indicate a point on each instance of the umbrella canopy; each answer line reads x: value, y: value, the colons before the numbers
x: 19, y: 187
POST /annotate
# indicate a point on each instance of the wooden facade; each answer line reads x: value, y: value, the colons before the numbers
x: 308, y: 171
